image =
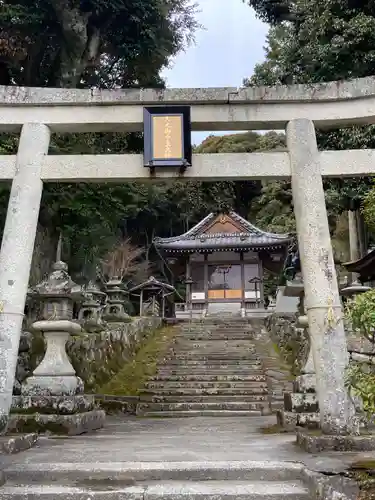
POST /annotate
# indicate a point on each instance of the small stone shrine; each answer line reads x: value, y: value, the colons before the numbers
x: 53, y: 399
x: 153, y: 295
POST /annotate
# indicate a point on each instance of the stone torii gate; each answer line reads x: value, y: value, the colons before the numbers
x: 38, y: 112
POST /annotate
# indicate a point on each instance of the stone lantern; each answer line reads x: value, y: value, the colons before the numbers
x: 114, y: 310
x: 52, y: 399
x: 55, y: 375
x: 90, y: 314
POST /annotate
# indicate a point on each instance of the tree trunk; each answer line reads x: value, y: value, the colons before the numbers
x: 80, y: 43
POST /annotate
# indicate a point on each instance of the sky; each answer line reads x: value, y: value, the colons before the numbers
x: 225, y: 50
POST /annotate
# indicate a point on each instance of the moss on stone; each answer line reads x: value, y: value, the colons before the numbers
x: 38, y: 348
x: 131, y: 378
x: 33, y: 410
x: 26, y: 425
x: 43, y: 410
x: 99, y: 356
x: 273, y: 429
x: 112, y: 407
x: 288, y: 355
x: 363, y: 464
x: 366, y: 483
x: 290, y: 341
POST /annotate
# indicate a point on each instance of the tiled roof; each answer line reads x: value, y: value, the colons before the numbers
x: 365, y: 266
x: 197, y: 239
x: 152, y: 283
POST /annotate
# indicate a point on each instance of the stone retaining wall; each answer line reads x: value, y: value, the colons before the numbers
x: 292, y: 342
x: 96, y: 357
x: 278, y: 375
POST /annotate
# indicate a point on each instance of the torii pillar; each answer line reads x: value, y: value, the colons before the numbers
x: 323, y: 306
x: 17, y: 251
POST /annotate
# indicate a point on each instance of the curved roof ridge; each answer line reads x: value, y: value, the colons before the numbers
x: 248, y: 229
x: 256, y: 229
x: 191, y: 232
x: 151, y: 281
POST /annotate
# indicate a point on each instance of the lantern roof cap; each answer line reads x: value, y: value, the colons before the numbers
x: 57, y: 283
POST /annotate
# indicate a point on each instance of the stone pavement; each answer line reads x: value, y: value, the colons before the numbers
x: 179, y: 440
x: 133, y: 446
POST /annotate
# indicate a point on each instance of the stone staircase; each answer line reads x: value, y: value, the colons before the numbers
x: 154, y: 481
x: 212, y: 368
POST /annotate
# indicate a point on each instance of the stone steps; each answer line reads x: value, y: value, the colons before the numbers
x: 188, y: 406
x: 214, y: 350
x: 220, y: 334
x: 202, y: 398
x: 155, y: 481
x: 221, y: 337
x: 204, y: 385
x: 217, y: 369
x: 207, y: 372
x: 189, y: 490
x: 199, y: 371
x: 76, y: 472
x: 177, y: 353
x: 225, y: 334
x: 202, y: 391
x: 204, y: 337
x: 221, y: 363
x: 184, y: 343
x: 208, y: 378
x: 227, y: 356
x: 245, y: 333
x: 199, y: 413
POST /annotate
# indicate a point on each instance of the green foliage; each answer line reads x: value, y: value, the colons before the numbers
x: 273, y: 11
x: 360, y: 381
x: 360, y: 378
x: 273, y: 209
x: 101, y: 44
x: 247, y: 142
x: 360, y: 311
x: 322, y: 41
x: 369, y: 208
x: 75, y: 43
x: 251, y: 197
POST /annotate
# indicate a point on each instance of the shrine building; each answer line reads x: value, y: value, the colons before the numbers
x: 223, y: 259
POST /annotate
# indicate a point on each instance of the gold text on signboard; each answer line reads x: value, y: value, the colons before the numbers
x: 167, y: 137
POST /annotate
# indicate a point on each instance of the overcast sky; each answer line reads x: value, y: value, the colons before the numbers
x: 225, y: 51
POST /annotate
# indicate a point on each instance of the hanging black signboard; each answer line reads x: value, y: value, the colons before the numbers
x: 167, y: 137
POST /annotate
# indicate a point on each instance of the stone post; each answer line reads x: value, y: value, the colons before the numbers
x: 355, y: 252
x: 323, y: 306
x: 303, y: 322
x: 362, y: 234
x: 17, y: 251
